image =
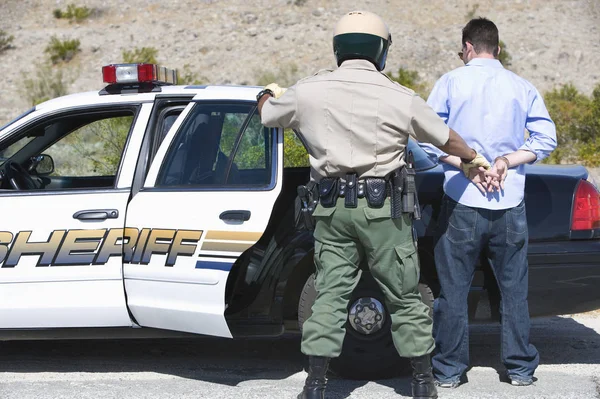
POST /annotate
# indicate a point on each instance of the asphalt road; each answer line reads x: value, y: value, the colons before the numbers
x: 219, y: 368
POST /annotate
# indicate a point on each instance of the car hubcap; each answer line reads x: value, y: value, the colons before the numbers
x: 367, y: 315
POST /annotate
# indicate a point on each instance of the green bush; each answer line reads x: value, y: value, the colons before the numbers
x: 294, y: 153
x: 73, y: 13
x: 410, y: 79
x: 504, y: 57
x: 113, y: 134
x: 285, y: 76
x: 187, y: 77
x: 46, y: 83
x: 62, y: 50
x: 5, y: 41
x: 93, y: 149
x: 140, y: 55
x: 577, y: 119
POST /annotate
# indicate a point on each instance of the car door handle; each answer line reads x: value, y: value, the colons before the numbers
x: 96, y: 214
x: 235, y: 215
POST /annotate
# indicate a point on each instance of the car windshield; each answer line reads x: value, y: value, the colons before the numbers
x: 8, y: 152
x: 24, y: 114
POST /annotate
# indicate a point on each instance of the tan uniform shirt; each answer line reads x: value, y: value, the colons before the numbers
x: 354, y: 119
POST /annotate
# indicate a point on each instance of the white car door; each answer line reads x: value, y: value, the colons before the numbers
x: 208, y: 197
x: 61, y: 232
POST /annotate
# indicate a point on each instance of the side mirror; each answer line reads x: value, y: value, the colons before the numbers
x: 42, y: 165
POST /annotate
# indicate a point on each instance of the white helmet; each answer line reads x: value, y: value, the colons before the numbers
x: 361, y: 35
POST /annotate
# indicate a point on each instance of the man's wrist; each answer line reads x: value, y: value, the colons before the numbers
x: 503, y: 159
x: 263, y: 92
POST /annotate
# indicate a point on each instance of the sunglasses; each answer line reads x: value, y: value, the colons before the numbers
x: 460, y: 55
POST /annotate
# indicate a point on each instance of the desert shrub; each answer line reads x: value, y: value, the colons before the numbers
x: 73, y: 13
x: 471, y: 12
x: 94, y: 149
x: 589, y: 133
x: 410, y: 79
x: 294, y: 153
x: 45, y: 83
x: 504, y: 57
x: 285, y: 76
x: 577, y: 119
x: 62, y: 50
x: 140, y: 55
x: 5, y: 41
x: 188, y: 77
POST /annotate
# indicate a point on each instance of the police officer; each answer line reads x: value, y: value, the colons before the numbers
x: 355, y: 123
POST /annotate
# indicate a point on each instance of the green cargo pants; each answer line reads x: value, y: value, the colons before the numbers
x: 343, y: 237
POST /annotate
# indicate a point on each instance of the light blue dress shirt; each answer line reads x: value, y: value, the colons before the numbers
x: 490, y: 107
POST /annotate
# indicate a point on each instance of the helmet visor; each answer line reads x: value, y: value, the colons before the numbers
x: 362, y: 46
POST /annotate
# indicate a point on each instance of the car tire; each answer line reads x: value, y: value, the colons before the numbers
x: 364, y: 357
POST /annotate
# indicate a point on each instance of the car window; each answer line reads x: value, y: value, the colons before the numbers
x: 92, y: 150
x: 422, y: 160
x: 220, y: 145
x: 82, y: 149
x: 166, y: 124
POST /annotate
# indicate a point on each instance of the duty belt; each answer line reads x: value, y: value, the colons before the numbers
x: 400, y: 186
x: 374, y: 189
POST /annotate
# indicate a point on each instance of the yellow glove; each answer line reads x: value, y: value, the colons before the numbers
x: 477, y: 162
x: 275, y: 89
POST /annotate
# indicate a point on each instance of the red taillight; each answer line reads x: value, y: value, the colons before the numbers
x: 586, y: 207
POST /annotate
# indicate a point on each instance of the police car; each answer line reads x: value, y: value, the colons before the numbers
x: 150, y: 209
x: 129, y: 206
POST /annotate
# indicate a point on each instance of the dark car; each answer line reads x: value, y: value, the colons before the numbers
x: 563, y: 215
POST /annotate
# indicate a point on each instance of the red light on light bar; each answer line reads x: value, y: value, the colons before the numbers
x: 137, y: 73
x: 109, y: 74
x: 147, y: 73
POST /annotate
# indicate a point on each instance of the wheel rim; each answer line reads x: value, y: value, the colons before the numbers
x: 367, y: 315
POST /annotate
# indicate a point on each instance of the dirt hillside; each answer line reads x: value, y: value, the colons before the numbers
x: 551, y: 42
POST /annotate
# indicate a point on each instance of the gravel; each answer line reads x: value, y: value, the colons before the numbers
x: 272, y: 368
x: 551, y: 42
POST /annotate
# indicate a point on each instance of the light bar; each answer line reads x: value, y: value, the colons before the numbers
x: 138, y: 73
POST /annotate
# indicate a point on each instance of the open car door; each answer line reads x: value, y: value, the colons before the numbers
x: 207, y: 197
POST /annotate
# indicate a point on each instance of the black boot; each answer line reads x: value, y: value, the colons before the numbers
x: 422, y: 384
x: 314, y: 387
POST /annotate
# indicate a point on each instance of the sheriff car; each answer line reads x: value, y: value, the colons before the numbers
x: 164, y: 209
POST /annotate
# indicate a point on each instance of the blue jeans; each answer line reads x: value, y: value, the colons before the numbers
x: 464, y: 234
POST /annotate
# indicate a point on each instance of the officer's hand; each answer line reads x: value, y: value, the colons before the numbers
x: 478, y: 162
x: 277, y: 91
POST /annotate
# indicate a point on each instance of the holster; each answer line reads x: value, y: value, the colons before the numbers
x: 375, y: 191
x: 351, y: 191
x: 410, y: 199
x: 307, y: 200
x: 396, y: 188
x: 328, y: 191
